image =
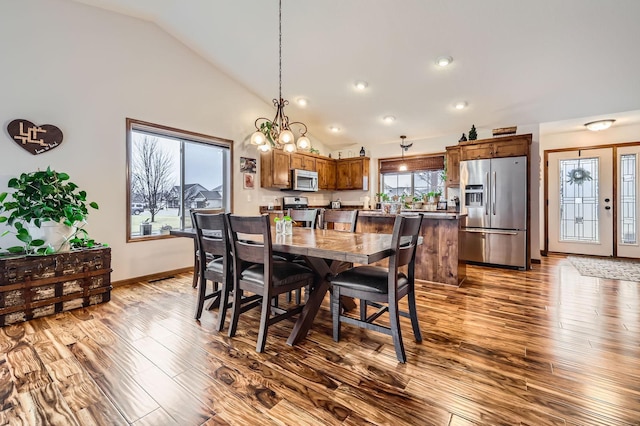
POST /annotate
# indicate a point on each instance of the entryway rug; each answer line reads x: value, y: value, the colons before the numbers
x: 613, y: 269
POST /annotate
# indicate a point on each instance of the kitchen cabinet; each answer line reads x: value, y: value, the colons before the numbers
x: 303, y: 162
x: 511, y: 146
x: 353, y: 173
x: 326, y: 174
x: 453, y: 166
x: 274, y: 169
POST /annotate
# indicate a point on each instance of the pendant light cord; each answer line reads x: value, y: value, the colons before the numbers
x: 280, y: 47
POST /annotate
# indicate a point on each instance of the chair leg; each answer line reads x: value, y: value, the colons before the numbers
x: 202, y: 289
x: 298, y: 296
x: 413, y: 314
x: 235, y: 311
x: 196, y: 270
x: 335, y: 309
x: 224, y: 301
x: 394, y: 322
x: 363, y: 310
x: 264, y: 324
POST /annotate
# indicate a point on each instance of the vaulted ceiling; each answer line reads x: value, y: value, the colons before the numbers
x: 514, y: 62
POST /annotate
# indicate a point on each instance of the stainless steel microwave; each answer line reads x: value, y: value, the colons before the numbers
x: 304, y: 180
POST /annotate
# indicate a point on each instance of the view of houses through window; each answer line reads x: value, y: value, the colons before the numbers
x: 170, y: 173
x: 415, y: 184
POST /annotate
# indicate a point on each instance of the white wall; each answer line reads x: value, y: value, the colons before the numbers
x: 85, y: 70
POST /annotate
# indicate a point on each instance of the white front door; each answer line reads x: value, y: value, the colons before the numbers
x: 581, y: 202
x: 628, y: 160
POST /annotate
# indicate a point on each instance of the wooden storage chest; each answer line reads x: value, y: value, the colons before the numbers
x: 35, y: 286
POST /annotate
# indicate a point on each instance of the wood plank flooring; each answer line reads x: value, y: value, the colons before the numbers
x: 543, y: 347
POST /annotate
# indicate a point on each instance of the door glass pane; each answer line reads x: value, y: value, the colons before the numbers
x: 579, y: 200
x: 628, y: 198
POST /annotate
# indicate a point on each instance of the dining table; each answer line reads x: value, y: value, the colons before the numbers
x: 325, y: 251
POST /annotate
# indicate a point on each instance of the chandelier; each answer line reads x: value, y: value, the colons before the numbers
x: 277, y: 133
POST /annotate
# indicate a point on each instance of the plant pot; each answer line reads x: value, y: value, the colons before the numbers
x: 145, y: 228
x: 55, y: 234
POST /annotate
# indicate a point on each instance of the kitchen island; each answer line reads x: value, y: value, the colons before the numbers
x: 438, y: 258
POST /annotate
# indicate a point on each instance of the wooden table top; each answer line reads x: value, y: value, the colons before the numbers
x: 363, y: 248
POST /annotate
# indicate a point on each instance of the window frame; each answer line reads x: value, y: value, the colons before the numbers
x: 415, y: 164
x: 169, y: 132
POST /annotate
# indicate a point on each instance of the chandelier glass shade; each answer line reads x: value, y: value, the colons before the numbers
x: 277, y: 133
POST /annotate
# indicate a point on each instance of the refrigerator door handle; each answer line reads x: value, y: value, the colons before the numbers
x: 485, y: 194
x: 493, y: 195
x: 485, y: 231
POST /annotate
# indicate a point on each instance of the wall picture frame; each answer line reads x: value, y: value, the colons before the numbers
x: 247, y: 165
x: 248, y: 181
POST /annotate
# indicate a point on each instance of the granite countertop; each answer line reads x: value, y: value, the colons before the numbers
x: 429, y: 214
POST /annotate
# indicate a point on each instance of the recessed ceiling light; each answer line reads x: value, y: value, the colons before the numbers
x: 596, y: 126
x: 388, y: 119
x: 443, y: 61
x: 302, y: 102
x: 361, y: 85
x: 334, y: 129
x: 461, y: 105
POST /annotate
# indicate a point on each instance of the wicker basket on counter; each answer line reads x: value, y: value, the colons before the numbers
x: 36, y: 286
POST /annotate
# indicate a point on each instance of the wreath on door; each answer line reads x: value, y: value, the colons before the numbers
x: 578, y: 176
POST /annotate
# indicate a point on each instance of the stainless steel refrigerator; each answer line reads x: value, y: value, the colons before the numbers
x: 494, y: 196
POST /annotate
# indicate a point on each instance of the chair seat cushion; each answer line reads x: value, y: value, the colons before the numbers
x: 215, y: 265
x: 284, y: 273
x: 367, y: 278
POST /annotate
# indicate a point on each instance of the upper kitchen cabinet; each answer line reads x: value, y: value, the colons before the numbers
x: 353, y: 173
x: 303, y: 162
x: 326, y: 174
x: 274, y: 169
x: 506, y: 146
x: 453, y: 166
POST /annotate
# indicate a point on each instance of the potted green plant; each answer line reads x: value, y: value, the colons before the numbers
x: 45, y: 205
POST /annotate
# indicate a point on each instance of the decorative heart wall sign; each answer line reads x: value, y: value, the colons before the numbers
x: 32, y: 138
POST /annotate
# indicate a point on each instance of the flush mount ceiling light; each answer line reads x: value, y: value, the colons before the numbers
x: 460, y: 105
x: 361, y: 85
x: 334, y: 129
x: 403, y: 166
x: 302, y: 102
x: 443, y: 61
x: 596, y: 126
x: 388, y: 119
x: 277, y: 133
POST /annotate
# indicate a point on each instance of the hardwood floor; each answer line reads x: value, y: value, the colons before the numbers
x: 543, y: 347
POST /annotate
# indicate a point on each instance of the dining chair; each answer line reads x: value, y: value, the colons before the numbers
x: 196, y: 265
x: 256, y: 271
x: 382, y: 288
x: 214, y: 252
x: 345, y: 219
x: 305, y: 217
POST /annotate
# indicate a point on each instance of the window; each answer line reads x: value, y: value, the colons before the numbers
x: 412, y: 183
x: 424, y: 174
x: 170, y: 172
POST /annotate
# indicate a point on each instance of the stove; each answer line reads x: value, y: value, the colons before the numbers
x: 295, y: 202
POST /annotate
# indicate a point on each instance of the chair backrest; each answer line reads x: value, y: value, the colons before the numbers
x: 347, y: 217
x: 307, y: 217
x: 251, y: 240
x: 212, y: 236
x: 404, y: 242
x: 202, y: 210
